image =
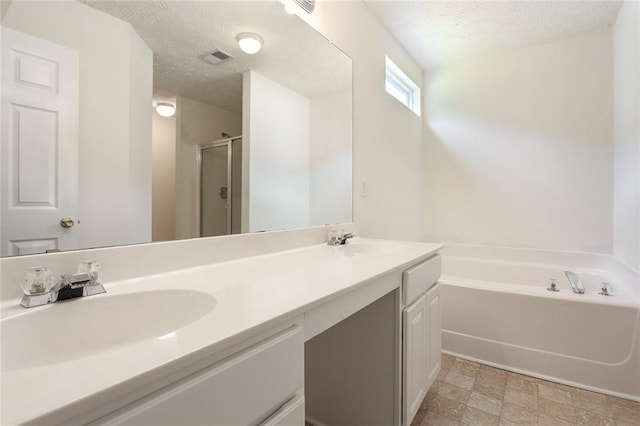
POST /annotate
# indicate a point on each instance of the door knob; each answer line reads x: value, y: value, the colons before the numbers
x: 67, y: 222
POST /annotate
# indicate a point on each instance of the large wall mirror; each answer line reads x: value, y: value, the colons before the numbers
x: 256, y: 141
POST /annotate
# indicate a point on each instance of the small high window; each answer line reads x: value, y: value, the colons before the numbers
x: 401, y: 87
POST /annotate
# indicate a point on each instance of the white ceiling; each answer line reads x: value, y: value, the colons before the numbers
x: 437, y: 33
x: 181, y: 32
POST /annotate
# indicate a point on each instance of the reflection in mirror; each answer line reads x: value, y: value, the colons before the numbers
x: 87, y: 162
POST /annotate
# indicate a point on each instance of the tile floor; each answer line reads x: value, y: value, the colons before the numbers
x: 467, y: 393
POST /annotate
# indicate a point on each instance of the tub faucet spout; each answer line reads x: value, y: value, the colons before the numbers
x: 576, y: 283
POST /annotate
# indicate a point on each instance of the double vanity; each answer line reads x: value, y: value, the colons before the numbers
x: 263, y: 329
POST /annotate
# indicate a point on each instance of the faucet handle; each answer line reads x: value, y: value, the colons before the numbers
x: 92, y: 269
x: 552, y: 285
x: 333, y: 236
x: 38, y: 280
x: 606, y: 290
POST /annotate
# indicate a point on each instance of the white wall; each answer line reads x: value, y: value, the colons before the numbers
x: 140, y: 141
x: 275, y: 156
x: 331, y: 159
x: 387, y: 143
x: 518, y: 147
x: 197, y: 124
x: 164, y: 178
x: 626, y: 207
x: 115, y: 116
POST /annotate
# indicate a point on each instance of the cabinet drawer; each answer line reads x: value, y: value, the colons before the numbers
x: 243, y: 389
x: 418, y: 279
x: 291, y: 414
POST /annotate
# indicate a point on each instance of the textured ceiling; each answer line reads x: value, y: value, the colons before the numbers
x: 437, y: 33
x: 180, y: 33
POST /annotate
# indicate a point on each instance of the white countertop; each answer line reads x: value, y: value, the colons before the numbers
x: 250, y: 294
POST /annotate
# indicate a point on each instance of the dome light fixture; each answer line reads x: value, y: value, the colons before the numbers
x: 165, y: 109
x: 250, y: 43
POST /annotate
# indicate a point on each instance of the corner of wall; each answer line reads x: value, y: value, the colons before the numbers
x: 626, y: 41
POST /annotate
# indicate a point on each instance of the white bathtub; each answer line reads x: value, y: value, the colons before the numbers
x: 496, y: 310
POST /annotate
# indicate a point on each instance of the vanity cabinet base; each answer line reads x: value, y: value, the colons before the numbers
x: 263, y: 384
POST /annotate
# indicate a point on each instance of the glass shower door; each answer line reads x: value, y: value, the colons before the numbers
x: 221, y: 188
x: 215, y: 196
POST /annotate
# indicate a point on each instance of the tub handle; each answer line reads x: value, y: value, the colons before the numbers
x: 552, y: 285
x: 607, y: 289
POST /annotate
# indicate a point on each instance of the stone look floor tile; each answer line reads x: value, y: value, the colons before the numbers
x: 518, y: 414
x: 465, y: 368
x: 453, y: 392
x: 485, y: 403
x: 507, y: 422
x: 587, y: 418
x: 472, y: 394
x: 489, y: 389
x: 626, y: 414
x: 559, y: 386
x: 516, y: 382
x: 447, y: 407
x: 521, y: 399
x: 555, y: 394
x: 492, y: 375
x: 447, y: 361
x: 474, y: 417
x: 556, y: 409
x: 441, y: 375
x: 460, y: 380
x: 433, y: 419
x: 593, y: 402
x: 544, y: 420
x: 624, y: 403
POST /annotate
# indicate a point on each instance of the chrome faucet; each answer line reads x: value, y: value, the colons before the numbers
x: 41, y: 287
x: 339, y: 238
x: 576, y: 283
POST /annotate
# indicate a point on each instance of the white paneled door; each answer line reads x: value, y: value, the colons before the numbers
x: 39, y: 145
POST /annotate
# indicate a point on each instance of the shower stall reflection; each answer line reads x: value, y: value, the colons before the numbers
x: 220, y: 187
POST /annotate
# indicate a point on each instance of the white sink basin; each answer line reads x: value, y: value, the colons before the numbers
x: 79, y: 328
x: 369, y: 247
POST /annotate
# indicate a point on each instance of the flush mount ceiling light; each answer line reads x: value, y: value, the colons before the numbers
x: 249, y: 42
x: 165, y: 109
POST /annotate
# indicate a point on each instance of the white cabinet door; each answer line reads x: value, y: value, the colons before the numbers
x: 434, y: 333
x: 414, y: 354
x: 39, y: 144
x: 244, y: 389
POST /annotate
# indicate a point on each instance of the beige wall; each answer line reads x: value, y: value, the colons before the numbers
x: 164, y: 178
x: 197, y: 124
x: 387, y: 143
x: 519, y: 147
x: 626, y: 207
x: 115, y: 116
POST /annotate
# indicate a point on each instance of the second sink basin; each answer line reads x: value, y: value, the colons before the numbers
x: 78, y: 328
